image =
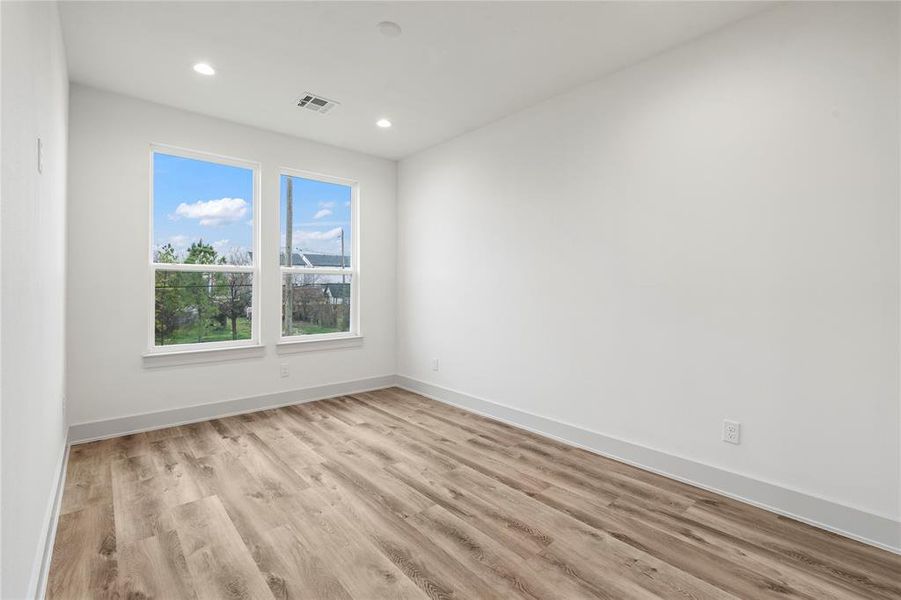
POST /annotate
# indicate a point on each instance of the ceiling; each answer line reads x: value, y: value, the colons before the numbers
x: 456, y: 66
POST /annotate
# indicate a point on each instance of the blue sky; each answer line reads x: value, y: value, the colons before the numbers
x: 194, y: 200
x: 321, y: 212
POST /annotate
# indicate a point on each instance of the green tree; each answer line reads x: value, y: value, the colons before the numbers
x: 201, y: 254
x: 199, y: 286
x: 168, y: 297
x: 235, y: 291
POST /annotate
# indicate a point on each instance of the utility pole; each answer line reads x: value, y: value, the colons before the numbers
x: 288, y: 327
x: 343, y: 280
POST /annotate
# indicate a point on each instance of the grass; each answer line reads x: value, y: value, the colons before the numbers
x: 304, y: 328
x: 189, y: 335
x: 213, y: 333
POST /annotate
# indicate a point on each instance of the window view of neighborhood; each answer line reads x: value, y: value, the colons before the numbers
x: 316, y: 235
x: 202, y: 307
x: 202, y: 215
x: 316, y: 304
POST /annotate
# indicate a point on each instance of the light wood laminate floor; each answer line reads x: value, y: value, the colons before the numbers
x: 390, y: 495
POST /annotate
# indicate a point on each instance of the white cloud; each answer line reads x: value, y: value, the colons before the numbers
x: 212, y: 213
x: 220, y: 246
x: 317, y: 236
x: 325, y: 241
x: 322, y: 212
x: 328, y: 204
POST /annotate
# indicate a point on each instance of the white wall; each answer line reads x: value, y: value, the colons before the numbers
x: 710, y: 234
x: 32, y: 284
x: 110, y: 136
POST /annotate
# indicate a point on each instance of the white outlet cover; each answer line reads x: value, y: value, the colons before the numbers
x: 283, y: 370
x: 731, y: 432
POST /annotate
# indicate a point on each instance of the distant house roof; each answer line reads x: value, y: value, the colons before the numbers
x: 309, y: 259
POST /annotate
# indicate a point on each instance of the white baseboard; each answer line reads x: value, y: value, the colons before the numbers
x: 866, y: 527
x: 96, y: 430
x: 37, y: 587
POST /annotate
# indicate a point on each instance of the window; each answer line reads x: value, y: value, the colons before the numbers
x: 318, y: 257
x: 204, y: 251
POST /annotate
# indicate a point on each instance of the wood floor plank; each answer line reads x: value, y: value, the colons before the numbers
x: 252, y: 507
x: 489, y: 558
x: 268, y: 468
x: 140, y: 507
x: 706, y: 563
x: 502, y: 471
x: 738, y: 548
x: 358, y: 564
x: 507, y: 527
x: 573, y: 540
x: 294, y: 569
x: 220, y: 564
x: 847, y: 569
x: 378, y: 487
x: 438, y: 574
x: 177, y: 486
x: 154, y: 568
x: 400, y: 447
x: 202, y: 438
x: 84, y: 555
x: 156, y: 435
x: 582, y: 461
x: 390, y: 495
x: 169, y: 451
x: 88, y: 479
x: 336, y: 408
x: 296, y: 454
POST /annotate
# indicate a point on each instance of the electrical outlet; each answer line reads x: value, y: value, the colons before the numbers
x: 434, y: 364
x: 731, y: 432
x: 40, y: 156
x: 283, y: 370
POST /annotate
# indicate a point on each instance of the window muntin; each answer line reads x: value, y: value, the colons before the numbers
x: 204, y: 258
x: 317, y: 257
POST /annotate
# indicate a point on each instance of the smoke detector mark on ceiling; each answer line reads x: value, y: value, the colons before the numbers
x: 316, y: 103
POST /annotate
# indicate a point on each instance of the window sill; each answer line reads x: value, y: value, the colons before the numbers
x: 199, y: 356
x: 317, y: 342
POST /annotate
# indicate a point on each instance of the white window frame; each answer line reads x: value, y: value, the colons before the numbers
x: 254, y: 269
x: 354, y: 333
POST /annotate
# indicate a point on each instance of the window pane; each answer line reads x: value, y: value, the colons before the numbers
x: 202, y: 211
x: 315, y: 304
x: 315, y: 223
x: 195, y: 308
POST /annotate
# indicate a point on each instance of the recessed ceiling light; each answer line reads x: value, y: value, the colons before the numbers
x: 204, y: 69
x: 390, y: 29
x: 383, y: 123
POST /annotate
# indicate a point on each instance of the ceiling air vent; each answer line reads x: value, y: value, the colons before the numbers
x: 316, y: 103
